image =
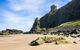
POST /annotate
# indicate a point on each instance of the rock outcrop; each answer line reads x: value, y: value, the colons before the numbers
x: 36, y: 26
x: 69, y: 12
x: 11, y: 31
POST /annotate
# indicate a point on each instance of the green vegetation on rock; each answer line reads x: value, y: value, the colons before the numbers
x: 65, y: 16
x: 70, y: 24
x: 10, y: 31
x: 5, y: 33
x: 49, y: 39
x: 67, y: 13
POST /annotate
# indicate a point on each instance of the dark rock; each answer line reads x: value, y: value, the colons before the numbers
x: 75, y: 31
x: 36, y: 26
x: 34, y: 43
x: 69, y: 12
x: 12, y: 31
x: 56, y: 17
x: 74, y: 42
x: 69, y: 30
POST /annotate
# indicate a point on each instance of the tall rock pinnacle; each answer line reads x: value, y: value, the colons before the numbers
x: 36, y: 25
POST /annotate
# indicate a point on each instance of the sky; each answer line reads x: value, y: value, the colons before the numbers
x: 20, y: 14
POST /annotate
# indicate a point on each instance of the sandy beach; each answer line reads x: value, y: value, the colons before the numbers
x: 21, y: 42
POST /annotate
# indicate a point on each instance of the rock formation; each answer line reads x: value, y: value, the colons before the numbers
x: 69, y: 12
x: 11, y: 31
x: 36, y: 26
x: 56, y: 17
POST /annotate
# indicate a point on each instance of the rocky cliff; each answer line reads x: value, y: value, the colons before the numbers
x: 56, y: 17
x: 69, y: 12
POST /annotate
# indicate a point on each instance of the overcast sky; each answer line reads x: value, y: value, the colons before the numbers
x: 20, y: 14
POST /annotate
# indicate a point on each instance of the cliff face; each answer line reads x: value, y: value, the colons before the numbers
x: 69, y: 12
x: 56, y: 17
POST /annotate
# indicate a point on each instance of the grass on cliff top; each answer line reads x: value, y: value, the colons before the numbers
x: 70, y: 24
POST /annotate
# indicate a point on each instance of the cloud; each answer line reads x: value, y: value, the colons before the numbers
x: 13, y: 21
x: 20, y: 14
x: 32, y: 7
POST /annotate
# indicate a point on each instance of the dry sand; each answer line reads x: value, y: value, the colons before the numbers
x: 21, y: 42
